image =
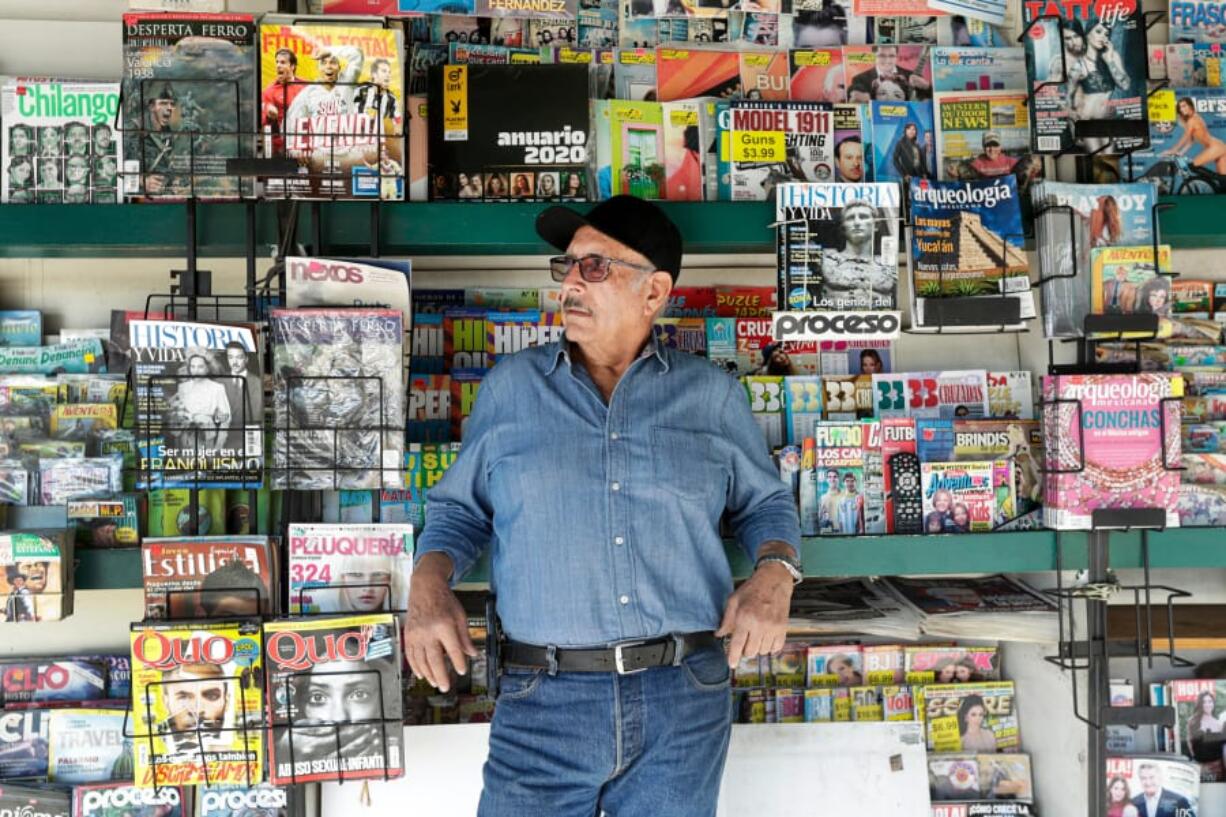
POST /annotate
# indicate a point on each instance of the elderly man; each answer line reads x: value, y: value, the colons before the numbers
x: 599, y: 468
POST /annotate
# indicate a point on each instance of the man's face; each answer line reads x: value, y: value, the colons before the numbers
x: 858, y: 224
x: 163, y: 112
x: 1074, y: 43
x: 329, y: 68
x: 237, y: 360
x: 887, y: 60
x: 383, y: 75
x: 849, y: 484
x: 21, y: 172
x: 102, y: 138
x: 285, y: 69
x: 1150, y: 783
x: 195, y: 703
x: 992, y: 150
x: 832, y: 479
x: 21, y: 140
x: 603, y: 314
x: 343, y: 695
x: 18, y: 582
x: 78, y: 139
x: 851, y: 161
x: 36, y: 577
x: 77, y: 170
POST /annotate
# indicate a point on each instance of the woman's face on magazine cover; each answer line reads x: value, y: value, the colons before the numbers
x: 197, y: 366
x: 1099, y: 36
x: 348, y: 693
x: 369, y: 580
x: 974, y: 717
x: 1119, y: 791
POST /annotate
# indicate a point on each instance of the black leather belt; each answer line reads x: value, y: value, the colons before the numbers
x: 624, y: 659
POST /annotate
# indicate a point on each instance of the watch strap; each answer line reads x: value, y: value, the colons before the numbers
x: 793, y: 566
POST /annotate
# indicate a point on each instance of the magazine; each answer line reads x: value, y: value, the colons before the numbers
x: 349, y: 568
x: 188, y: 104
x: 834, y: 665
x: 1010, y: 396
x: 817, y: 75
x: 932, y: 664
x: 975, y: 717
x: 126, y: 800
x: 1175, y: 783
x: 208, y: 577
x: 1017, y: 441
x: 959, y: 497
x: 1106, y: 445
x: 24, y: 736
x: 887, y: 73
x: 88, y: 746
x: 968, y: 68
x: 902, y: 141
x: 199, y: 402
x: 342, y: 282
x: 338, y: 398
x: 465, y: 383
x: 840, y: 475
x: 1127, y: 281
x: 765, y: 75
x: 766, y: 403
x: 505, y: 144
x: 24, y: 327
x: 952, y: 596
x: 986, y: 135
x: 1087, y: 75
x: 464, y: 339
x: 634, y: 74
x: 775, y: 142
x: 684, y: 73
x: 58, y: 144
x: 1070, y: 220
x: 630, y: 149
x: 37, y: 801
x: 75, y: 357
x: 1004, y: 776
x: 1197, y: 714
x: 262, y: 800
x: 36, y: 584
x: 1178, y: 157
x: 683, y: 150
x: 1196, y: 21
x: 314, y: 660
x: 853, y: 142
x: 197, y: 702
x: 429, y: 409
x: 837, y: 245
x: 52, y: 679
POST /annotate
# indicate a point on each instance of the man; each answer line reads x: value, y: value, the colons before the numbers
x: 18, y: 606
x: 853, y: 276
x: 245, y: 392
x: 1155, y: 801
x: 850, y: 507
x: 195, y: 697
x: 277, y: 97
x: 599, y: 467
x: 104, y: 143
x: 885, y: 80
x: 161, y: 152
x: 828, y: 509
x: 76, y: 139
x: 332, y: 95
x: 849, y: 159
x: 993, y: 161
x: 233, y: 589
x: 376, y: 97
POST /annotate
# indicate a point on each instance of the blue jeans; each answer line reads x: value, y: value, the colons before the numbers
x: 575, y: 744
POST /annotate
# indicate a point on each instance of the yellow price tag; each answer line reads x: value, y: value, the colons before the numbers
x: 759, y: 146
x: 945, y: 734
x: 1162, y: 106
x: 89, y: 357
x: 455, y: 103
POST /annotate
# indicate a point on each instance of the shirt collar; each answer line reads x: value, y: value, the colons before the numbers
x: 652, y: 349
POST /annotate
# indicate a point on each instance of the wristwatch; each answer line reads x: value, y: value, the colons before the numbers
x: 793, y: 566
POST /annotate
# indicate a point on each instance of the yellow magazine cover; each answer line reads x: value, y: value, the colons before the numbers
x: 1125, y: 281
x: 77, y: 421
x: 332, y: 98
x: 197, y: 703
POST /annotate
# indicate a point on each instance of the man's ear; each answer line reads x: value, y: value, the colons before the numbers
x: 659, y: 286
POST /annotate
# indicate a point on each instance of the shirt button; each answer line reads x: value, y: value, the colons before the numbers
x: 614, y: 436
x: 624, y: 599
x: 617, y: 540
x: 617, y: 486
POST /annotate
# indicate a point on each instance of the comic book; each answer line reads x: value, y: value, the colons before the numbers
x: 345, y: 282
x: 208, y: 577
x: 36, y: 584
x: 503, y: 144
x: 310, y: 660
x: 199, y: 402
x: 968, y: 68
x: 684, y: 73
x: 775, y: 142
x: 887, y: 73
x: 902, y: 141
x: 834, y: 665
x: 261, y: 800
x: 127, y: 800
x: 58, y: 144
x: 930, y: 664
x: 1003, y: 776
x: 1127, y: 281
x: 1086, y: 69
x: 197, y: 702
x: 817, y: 75
x: 840, y: 475
x: 1112, y: 441
x: 37, y: 801
x: 338, y: 398
x: 349, y: 568
x: 1078, y: 217
x: 429, y: 409
x: 958, y: 496
x: 188, y: 104
x: 837, y: 245
x: 1174, y: 781
x: 950, y: 712
x: 332, y: 100
x: 40, y: 680
x: 1173, y: 155
x: 88, y: 746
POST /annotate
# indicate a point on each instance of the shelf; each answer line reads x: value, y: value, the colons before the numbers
x: 1197, y: 626
x: 108, y: 569
x: 1195, y: 222
x: 417, y: 228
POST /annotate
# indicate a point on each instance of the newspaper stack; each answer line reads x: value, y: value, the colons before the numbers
x: 997, y: 608
x: 851, y: 606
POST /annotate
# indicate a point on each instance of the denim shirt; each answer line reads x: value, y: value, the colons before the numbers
x: 604, y: 520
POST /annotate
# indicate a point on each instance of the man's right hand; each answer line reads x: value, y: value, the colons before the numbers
x: 437, y: 627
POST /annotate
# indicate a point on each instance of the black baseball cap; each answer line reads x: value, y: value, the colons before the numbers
x: 640, y: 225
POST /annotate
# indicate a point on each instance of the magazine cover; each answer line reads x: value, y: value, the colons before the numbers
x: 775, y: 142
x: 1198, y: 720
x: 58, y: 144
x: 88, y: 746
x: 976, y: 717
x: 837, y: 245
x: 634, y: 74
x: 75, y: 357
x: 345, y: 282
x: 45, y: 679
x: 262, y: 800
x: 197, y: 701
x: 630, y: 149
x: 853, y: 142
x: 943, y: 395
x: 1187, y: 142
x: 1004, y: 776
x: 35, y: 800
x: 499, y: 143
x: 684, y: 73
x: 1106, y: 446
x: 349, y: 568
x: 888, y: 73
x: 1082, y: 216
x: 930, y: 664
x: 683, y: 150
x: 332, y: 98
x: 765, y: 75
x: 24, y: 736
x: 1196, y: 21
x: 24, y: 327
x: 314, y: 662
x: 902, y: 141
x: 1019, y: 442
x: 36, y: 584
x: 1127, y: 281
x: 208, y: 577
x: 840, y: 474
x: 959, y: 497
x: 986, y: 135
x: 1086, y: 69
x: 1173, y: 784
x: 199, y: 404
x: 952, y: 595
x: 127, y: 800
x: 969, y: 68
x: 465, y: 383
x: 338, y: 398
x: 188, y: 104
x: 834, y: 665
x: 429, y: 409
x: 1010, y: 396
x: 817, y: 75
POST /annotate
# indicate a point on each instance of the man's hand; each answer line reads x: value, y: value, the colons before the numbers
x: 757, y: 614
x: 437, y: 627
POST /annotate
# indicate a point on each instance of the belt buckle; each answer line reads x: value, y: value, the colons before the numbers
x: 619, y: 660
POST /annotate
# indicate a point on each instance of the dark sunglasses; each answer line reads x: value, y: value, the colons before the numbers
x: 592, y: 268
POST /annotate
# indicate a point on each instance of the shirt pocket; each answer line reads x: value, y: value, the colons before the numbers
x: 686, y: 464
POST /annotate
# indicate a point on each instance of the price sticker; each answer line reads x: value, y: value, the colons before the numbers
x: 759, y: 146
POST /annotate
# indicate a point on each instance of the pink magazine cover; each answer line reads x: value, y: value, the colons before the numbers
x: 1121, y: 424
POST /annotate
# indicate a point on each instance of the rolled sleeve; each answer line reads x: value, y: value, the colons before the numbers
x: 459, y: 514
x: 760, y: 506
